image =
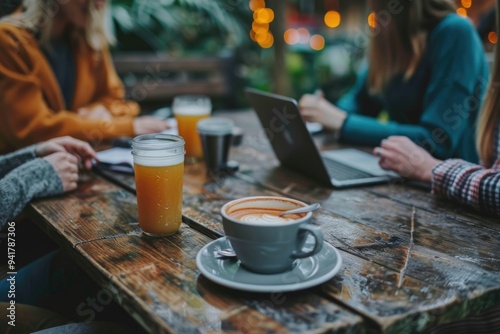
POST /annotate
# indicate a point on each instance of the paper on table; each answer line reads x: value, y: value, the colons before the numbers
x: 116, y: 155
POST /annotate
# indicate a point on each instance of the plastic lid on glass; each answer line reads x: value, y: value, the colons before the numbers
x: 217, y: 126
x: 189, y: 99
x: 158, y: 141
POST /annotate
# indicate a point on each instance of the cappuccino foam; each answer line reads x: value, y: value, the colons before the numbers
x: 263, y: 216
x: 259, y: 218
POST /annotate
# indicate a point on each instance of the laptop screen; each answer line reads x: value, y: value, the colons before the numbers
x: 288, y: 134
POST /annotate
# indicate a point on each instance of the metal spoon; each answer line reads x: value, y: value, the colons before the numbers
x: 308, y: 208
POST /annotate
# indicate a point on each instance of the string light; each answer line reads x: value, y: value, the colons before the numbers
x: 264, y: 15
x: 256, y: 5
x: 265, y: 40
x: 253, y: 35
x: 492, y: 37
x: 332, y: 19
x: 317, y: 42
x: 260, y: 26
x: 372, y: 20
x: 466, y: 3
x: 462, y: 12
x: 291, y: 36
x: 304, y: 35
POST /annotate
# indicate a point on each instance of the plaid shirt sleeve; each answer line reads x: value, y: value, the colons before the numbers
x: 469, y: 183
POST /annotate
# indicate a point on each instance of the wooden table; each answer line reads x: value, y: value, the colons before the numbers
x: 441, y: 265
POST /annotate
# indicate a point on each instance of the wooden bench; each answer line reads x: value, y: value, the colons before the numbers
x: 157, y: 78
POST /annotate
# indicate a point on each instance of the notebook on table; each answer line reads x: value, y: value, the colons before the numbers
x: 117, y: 165
x: 295, y: 149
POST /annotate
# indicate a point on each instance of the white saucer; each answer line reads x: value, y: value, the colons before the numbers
x: 305, y: 273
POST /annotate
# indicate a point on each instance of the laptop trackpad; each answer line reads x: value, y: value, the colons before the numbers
x: 359, y: 160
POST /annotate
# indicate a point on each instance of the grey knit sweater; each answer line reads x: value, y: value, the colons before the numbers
x: 24, y: 177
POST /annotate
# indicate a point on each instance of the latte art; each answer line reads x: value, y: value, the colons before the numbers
x: 257, y: 218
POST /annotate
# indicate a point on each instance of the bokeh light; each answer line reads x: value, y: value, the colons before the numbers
x: 493, y: 37
x: 260, y: 28
x: 256, y: 4
x: 253, y: 35
x: 332, y: 19
x: 317, y: 42
x: 304, y: 35
x: 265, y: 40
x: 372, y: 20
x: 264, y: 15
x: 466, y: 3
x: 462, y: 12
x: 291, y: 36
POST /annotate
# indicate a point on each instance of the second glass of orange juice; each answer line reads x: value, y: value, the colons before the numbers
x: 188, y: 110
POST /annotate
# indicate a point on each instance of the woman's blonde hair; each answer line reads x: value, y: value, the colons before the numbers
x: 399, y: 37
x: 38, y: 17
x: 489, y: 117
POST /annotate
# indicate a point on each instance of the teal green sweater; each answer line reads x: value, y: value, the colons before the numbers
x: 437, y: 107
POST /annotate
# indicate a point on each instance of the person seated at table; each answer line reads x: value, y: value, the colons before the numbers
x: 46, y: 169
x: 57, y: 77
x: 466, y: 182
x: 53, y: 281
x: 426, y: 68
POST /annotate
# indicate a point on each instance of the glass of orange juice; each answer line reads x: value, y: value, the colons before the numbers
x: 188, y: 110
x: 159, y: 169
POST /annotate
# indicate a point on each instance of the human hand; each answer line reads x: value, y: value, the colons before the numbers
x: 66, y: 166
x: 80, y: 149
x: 315, y: 108
x: 149, y: 124
x: 403, y: 156
x: 96, y: 112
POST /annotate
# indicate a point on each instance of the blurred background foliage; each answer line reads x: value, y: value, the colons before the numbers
x: 314, y: 44
x: 180, y: 26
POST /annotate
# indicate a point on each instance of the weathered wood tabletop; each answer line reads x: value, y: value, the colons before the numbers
x: 411, y: 260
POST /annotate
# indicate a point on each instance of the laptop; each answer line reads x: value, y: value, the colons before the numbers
x: 295, y: 149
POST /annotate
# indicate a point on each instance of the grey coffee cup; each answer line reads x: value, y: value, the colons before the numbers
x: 215, y: 134
x: 269, y: 247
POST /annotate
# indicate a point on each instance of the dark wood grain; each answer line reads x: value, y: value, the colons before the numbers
x: 411, y: 260
x: 351, y: 219
x: 90, y: 213
x: 156, y: 279
x: 399, y: 192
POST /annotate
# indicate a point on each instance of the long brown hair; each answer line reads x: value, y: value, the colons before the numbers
x: 38, y: 16
x: 489, y: 117
x: 399, y: 37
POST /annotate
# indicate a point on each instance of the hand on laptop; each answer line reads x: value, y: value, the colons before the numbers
x: 403, y: 156
x: 315, y: 108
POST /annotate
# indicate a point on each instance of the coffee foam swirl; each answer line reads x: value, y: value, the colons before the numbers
x: 259, y: 218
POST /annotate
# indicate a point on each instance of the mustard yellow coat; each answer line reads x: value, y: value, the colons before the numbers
x: 32, y: 107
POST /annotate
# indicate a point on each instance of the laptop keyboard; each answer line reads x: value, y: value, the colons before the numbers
x: 341, y: 172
